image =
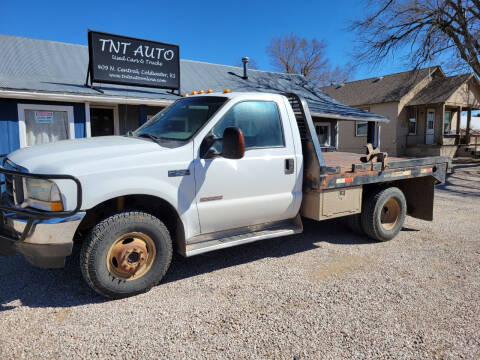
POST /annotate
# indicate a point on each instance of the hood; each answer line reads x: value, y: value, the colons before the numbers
x: 64, y: 156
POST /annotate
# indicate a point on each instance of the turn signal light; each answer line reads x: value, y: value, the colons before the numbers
x: 225, y: 91
x: 209, y: 91
x: 56, y: 206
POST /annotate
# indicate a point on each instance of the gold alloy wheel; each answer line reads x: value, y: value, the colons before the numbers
x: 390, y: 214
x: 131, y: 256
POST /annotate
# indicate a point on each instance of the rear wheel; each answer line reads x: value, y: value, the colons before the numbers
x: 384, y: 213
x: 126, y: 254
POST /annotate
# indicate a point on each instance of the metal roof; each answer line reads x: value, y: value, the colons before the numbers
x: 53, y: 67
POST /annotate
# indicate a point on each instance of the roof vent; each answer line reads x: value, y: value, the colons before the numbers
x: 245, y: 67
x: 378, y: 79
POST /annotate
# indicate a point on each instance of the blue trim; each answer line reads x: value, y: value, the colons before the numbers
x: 9, y: 138
x: 143, y: 115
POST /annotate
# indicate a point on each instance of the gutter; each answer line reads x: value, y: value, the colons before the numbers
x: 379, y: 119
x: 97, y: 99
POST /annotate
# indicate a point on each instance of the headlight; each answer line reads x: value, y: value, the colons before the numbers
x: 43, y: 194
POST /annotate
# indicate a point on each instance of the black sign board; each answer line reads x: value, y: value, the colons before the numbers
x: 125, y: 60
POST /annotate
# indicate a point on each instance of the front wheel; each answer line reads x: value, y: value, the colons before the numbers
x: 126, y: 254
x: 383, y: 213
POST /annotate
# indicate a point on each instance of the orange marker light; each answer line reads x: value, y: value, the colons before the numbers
x: 209, y: 91
x: 200, y: 92
x: 225, y: 91
x: 185, y: 94
x: 193, y: 93
x: 56, y: 206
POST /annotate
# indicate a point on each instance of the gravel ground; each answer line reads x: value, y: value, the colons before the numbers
x: 325, y: 294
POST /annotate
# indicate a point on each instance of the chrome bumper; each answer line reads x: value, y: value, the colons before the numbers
x: 46, y: 243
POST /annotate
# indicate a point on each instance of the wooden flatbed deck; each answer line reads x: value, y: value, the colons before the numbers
x: 344, y: 160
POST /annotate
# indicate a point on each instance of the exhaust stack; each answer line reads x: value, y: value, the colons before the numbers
x: 245, y: 67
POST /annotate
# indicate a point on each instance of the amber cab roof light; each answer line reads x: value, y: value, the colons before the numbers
x: 226, y: 91
x: 209, y: 91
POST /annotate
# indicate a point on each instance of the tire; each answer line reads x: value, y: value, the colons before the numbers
x: 384, y: 213
x: 126, y: 254
x: 354, y: 223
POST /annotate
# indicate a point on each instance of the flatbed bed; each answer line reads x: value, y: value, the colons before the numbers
x: 346, y: 169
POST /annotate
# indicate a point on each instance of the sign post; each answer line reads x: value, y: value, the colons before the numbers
x: 123, y: 60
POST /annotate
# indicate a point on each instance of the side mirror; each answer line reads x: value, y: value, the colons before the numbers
x: 233, y: 146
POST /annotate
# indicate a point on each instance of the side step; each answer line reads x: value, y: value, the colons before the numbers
x: 226, y: 242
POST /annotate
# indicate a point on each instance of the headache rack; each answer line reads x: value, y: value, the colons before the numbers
x: 314, y: 163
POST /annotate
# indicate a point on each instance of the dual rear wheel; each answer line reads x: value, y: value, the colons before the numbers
x: 383, y: 214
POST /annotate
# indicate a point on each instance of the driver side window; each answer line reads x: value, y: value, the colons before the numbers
x: 259, y: 121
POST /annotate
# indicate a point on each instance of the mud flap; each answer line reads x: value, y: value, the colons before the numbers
x: 419, y: 193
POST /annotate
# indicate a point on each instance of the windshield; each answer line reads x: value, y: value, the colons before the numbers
x: 182, y: 119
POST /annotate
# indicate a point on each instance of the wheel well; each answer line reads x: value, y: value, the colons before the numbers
x: 151, y: 204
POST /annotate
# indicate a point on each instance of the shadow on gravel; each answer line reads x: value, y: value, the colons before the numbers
x: 315, y: 233
x: 464, y: 181
x: 23, y: 285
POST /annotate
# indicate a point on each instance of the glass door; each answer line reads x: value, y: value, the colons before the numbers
x: 102, y: 122
x: 430, y: 130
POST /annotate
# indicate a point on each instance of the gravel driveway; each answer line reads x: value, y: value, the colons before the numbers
x: 324, y: 294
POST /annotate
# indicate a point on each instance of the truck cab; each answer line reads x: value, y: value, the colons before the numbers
x: 208, y: 172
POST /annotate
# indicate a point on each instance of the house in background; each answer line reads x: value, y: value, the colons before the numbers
x: 424, y: 107
x: 43, y: 97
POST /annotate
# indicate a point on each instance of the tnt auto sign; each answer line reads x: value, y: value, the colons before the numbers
x: 125, y: 60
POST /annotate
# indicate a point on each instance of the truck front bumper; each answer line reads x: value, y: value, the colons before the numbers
x: 45, y: 243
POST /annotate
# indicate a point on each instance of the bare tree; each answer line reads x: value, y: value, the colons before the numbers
x: 428, y: 30
x: 295, y: 55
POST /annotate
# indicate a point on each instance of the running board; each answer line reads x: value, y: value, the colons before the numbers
x: 212, y: 245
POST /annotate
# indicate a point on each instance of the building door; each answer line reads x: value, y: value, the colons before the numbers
x: 323, y: 134
x: 430, y: 128
x: 102, y: 121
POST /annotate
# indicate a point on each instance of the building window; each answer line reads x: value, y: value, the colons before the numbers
x: 324, y: 133
x: 361, y: 128
x: 41, y: 124
x: 412, y: 126
x: 447, y: 122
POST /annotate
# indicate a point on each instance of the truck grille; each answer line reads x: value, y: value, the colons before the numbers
x: 13, y: 184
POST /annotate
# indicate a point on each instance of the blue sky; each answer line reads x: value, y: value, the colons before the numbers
x: 213, y: 31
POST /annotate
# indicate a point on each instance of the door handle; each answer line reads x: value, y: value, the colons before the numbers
x: 289, y: 166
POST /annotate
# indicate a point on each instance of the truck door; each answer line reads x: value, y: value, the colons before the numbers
x: 263, y: 186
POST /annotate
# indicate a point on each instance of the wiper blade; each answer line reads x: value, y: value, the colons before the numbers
x: 150, y: 136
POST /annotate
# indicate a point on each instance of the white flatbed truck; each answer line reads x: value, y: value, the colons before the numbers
x: 208, y: 172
